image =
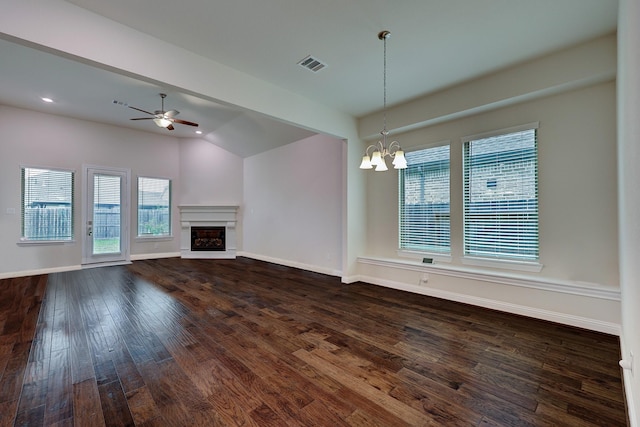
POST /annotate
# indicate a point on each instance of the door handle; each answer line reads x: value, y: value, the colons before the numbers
x: 89, y: 230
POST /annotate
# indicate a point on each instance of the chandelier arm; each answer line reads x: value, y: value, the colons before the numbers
x: 396, y: 145
x: 376, y: 147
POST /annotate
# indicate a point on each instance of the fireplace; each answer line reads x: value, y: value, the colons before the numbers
x: 208, y: 231
x: 207, y: 239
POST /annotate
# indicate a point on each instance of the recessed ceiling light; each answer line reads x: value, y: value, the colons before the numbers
x: 47, y: 99
x: 199, y: 132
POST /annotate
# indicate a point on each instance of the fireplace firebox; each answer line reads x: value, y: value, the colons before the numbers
x: 208, y: 239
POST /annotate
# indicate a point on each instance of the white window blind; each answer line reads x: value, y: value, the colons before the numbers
x: 47, y: 204
x: 107, y: 214
x: 424, y: 201
x: 154, y: 207
x: 501, y: 196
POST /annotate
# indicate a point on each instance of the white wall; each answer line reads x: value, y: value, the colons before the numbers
x: 292, y: 211
x: 209, y: 175
x: 36, y: 139
x: 579, y: 281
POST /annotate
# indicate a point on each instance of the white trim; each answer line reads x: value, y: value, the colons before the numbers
x: 512, y: 129
x: 125, y: 221
x: 25, y: 242
x: 541, y: 283
x: 105, y: 264
x: 141, y: 257
x: 57, y: 169
x: 627, y: 381
x: 136, y: 198
x: 142, y: 239
x: 532, y: 267
x: 552, y: 316
x: 288, y: 263
x: 347, y: 280
x: 74, y: 178
x: 40, y: 271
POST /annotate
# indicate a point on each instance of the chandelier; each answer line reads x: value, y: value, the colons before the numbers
x: 376, y: 154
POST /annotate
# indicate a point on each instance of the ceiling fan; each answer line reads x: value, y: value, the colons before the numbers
x: 162, y: 118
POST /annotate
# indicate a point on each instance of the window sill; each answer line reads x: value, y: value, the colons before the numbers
x: 532, y: 267
x: 140, y: 239
x: 45, y: 242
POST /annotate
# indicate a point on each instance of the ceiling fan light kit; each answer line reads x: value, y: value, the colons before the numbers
x: 162, y: 118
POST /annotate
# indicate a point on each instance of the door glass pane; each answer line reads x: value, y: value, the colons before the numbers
x: 106, y: 214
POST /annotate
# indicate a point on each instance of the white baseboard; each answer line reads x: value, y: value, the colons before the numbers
x: 288, y: 263
x: 40, y: 271
x: 552, y: 316
x: 627, y: 381
x: 350, y: 279
x: 140, y: 257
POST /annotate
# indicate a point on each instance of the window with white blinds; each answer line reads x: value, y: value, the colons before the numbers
x: 154, y: 207
x: 47, y: 204
x: 501, y: 195
x: 424, y: 201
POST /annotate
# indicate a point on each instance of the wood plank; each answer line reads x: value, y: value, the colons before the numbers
x: 87, y: 410
x: 114, y: 405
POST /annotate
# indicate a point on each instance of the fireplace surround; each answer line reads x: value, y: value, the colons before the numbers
x: 208, y: 231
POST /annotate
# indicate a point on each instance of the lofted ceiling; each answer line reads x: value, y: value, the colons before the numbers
x: 435, y: 44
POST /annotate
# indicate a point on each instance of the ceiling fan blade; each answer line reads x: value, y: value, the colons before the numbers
x: 170, y: 127
x: 142, y: 118
x: 138, y: 109
x: 171, y: 113
x: 184, y: 122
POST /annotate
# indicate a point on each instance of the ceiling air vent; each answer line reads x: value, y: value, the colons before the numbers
x: 311, y: 63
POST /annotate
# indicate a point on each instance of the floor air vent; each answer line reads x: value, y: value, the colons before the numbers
x: 311, y: 63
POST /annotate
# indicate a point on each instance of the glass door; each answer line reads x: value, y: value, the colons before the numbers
x: 106, y: 219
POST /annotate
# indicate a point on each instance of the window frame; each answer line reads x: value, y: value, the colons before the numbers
x: 157, y: 237
x: 429, y: 252
x: 515, y: 262
x: 40, y: 241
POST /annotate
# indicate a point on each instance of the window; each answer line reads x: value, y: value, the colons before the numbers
x: 47, y: 204
x: 501, y: 195
x: 424, y: 201
x: 154, y: 207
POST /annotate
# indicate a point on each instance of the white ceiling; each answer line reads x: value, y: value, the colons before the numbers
x: 434, y: 44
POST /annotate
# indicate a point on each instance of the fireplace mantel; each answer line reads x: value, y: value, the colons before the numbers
x: 208, y: 216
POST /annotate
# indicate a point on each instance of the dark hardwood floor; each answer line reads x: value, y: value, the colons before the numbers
x: 177, y: 342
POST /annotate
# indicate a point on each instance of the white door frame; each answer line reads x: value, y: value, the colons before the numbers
x: 124, y: 257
